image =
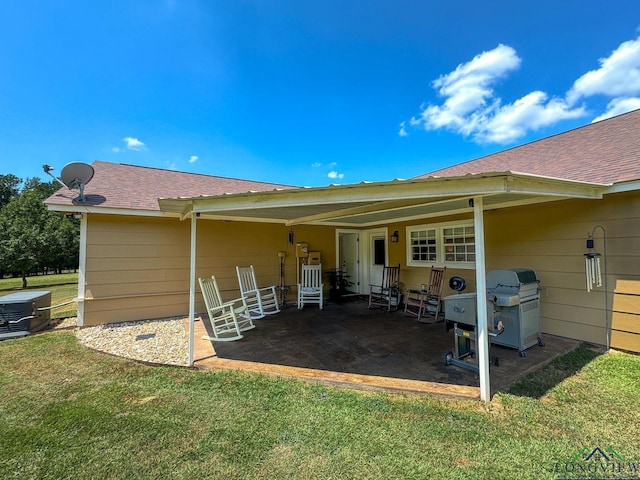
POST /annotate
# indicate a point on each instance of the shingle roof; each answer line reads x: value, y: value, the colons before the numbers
x: 116, y: 185
x: 603, y: 152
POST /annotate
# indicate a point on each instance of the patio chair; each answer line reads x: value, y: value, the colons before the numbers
x: 427, y: 300
x: 228, y: 319
x: 387, y: 294
x: 310, y: 290
x: 260, y: 301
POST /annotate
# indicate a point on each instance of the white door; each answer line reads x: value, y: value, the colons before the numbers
x: 377, y: 258
x: 363, y: 254
x: 349, y: 259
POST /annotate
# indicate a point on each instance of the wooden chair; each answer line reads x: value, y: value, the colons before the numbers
x: 310, y: 290
x: 228, y: 319
x: 260, y: 301
x: 387, y: 294
x: 427, y: 301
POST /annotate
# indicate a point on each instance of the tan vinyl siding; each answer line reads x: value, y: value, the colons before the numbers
x: 551, y: 239
x: 138, y: 268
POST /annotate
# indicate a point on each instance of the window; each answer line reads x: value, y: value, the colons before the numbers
x: 443, y: 244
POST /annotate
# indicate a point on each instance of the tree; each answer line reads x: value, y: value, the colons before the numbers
x: 9, y: 188
x: 22, y: 239
x: 31, y: 237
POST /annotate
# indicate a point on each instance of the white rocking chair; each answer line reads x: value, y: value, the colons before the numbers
x: 260, y: 301
x: 310, y: 290
x: 228, y: 319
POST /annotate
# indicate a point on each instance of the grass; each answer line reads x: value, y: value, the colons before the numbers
x: 63, y: 287
x: 68, y: 412
x: 538, y: 383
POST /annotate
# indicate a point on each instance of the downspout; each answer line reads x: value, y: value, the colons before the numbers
x: 192, y: 287
x: 481, y: 289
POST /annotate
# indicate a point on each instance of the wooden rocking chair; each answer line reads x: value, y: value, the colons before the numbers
x: 426, y: 301
x: 260, y: 301
x: 310, y: 290
x: 228, y: 319
x: 387, y: 294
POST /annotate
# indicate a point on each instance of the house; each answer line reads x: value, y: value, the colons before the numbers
x: 147, y: 233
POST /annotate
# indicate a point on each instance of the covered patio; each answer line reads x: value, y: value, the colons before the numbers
x: 351, y: 345
x: 377, y: 204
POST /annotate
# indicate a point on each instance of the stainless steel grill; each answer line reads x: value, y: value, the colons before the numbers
x: 516, y: 299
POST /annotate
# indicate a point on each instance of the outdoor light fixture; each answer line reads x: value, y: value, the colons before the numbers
x: 394, y: 237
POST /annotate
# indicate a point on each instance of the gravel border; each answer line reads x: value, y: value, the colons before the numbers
x: 163, y: 341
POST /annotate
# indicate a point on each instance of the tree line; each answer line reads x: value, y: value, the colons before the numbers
x: 33, y: 239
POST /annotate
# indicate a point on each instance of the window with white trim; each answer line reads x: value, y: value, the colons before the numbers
x: 445, y: 244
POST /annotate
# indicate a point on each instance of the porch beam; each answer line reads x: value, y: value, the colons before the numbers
x: 376, y: 207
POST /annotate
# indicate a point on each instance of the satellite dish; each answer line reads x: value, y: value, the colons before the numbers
x: 74, y: 176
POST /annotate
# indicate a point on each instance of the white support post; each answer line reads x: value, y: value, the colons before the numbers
x: 481, y: 288
x: 192, y: 288
x: 82, y: 269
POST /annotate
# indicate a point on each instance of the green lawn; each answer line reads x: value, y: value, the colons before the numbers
x: 63, y: 287
x: 68, y: 412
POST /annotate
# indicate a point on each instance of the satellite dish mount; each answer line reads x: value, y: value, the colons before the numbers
x: 74, y: 176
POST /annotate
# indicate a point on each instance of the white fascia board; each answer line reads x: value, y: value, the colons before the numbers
x: 110, y: 211
x: 537, y: 185
x: 623, y: 187
x: 354, y: 194
x: 398, y: 190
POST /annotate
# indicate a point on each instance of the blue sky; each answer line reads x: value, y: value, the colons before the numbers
x: 302, y: 92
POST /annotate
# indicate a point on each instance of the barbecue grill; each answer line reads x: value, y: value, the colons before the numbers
x: 513, y: 315
x: 516, y: 299
x: 24, y: 313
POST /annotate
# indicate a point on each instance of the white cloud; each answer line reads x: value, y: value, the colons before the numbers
x: 316, y: 164
x: 403, y: 131
x: 134, y: 144
x: 531, y: 112
x: 472, y: 108
x: 193, y: 159
x: 334, y: 174
x: 618, y: 75
x: 116, y: 150
x: 618, y: 106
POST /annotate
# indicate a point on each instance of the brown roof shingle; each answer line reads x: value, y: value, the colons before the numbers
x: 116, y: 185
x: 603, y: 152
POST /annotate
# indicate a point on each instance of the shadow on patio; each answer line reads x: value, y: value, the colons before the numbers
x: 351, y: 345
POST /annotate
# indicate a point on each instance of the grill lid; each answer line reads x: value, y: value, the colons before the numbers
x: 513, y: 279
x: 526, y: 275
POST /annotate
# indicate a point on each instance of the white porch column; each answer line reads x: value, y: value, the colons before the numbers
x: 192, y: 288
x: 481, y: 288
x: 82, y: 269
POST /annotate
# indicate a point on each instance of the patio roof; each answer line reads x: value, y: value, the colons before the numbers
x: 367, y: 204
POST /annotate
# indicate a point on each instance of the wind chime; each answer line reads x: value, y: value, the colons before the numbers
x: 594, y: 274
x: 592, y: 270
x: 592, y: 263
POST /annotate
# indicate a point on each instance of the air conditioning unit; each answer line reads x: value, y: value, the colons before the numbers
x: 23, y: 313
